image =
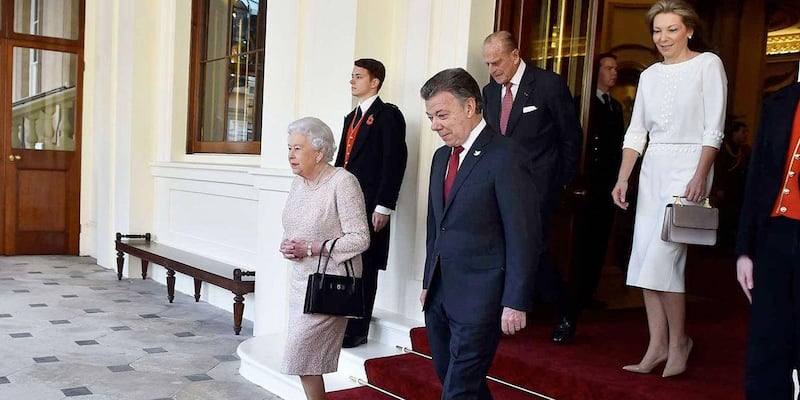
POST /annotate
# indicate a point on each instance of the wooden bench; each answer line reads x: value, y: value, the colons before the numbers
x: 200, y: 268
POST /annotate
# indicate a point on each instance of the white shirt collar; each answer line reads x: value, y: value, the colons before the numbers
x: 517, y: 78
x: 366, y: 104
x: 600, y: 94
x: 472, y: 136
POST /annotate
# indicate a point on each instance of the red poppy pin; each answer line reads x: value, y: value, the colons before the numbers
x: 370, y: 120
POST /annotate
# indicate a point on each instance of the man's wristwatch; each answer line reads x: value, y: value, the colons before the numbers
x: 308, y: 249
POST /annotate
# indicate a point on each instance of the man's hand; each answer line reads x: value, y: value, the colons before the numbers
x: 379, y: 221
x: 744, y: 274
x: 512, y: 321
x: 422, y: 297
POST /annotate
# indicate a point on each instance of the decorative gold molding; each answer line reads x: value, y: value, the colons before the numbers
x: 783, y: 44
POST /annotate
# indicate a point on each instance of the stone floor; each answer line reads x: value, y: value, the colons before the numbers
x: 70, y: 329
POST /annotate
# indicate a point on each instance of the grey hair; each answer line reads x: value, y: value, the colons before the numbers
x: 457, y: 82
x: 503, y: 38
x: 318, y: 133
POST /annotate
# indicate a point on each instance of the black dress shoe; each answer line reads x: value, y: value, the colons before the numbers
x: 353, y: 341
x: 564, y: 331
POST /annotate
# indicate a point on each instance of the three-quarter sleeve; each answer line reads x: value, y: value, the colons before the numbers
x: 353, y: 219
x: 636, y: 135
x: 715, y: 95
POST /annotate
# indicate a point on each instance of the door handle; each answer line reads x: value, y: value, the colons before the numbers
x: 14, y: 157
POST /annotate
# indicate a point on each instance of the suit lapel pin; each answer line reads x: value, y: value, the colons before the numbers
x: 476, y: 153
x: 370, y: 120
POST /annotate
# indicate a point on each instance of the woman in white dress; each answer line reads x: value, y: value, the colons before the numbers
x: 678, y: 116
x: 324, y: 203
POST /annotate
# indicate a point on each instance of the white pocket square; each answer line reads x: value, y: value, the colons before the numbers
x: 528, y: 109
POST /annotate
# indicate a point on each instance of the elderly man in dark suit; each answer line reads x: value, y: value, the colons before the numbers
x: 768, y: 249
x: 535, y: 108
x: 373, y: 148
x: 483, y: 243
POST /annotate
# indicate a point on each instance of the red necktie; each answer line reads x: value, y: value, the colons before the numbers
x: 505, y: 109
x: 452, y: 169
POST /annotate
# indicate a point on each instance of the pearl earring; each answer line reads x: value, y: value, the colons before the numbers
x: 690, y: 37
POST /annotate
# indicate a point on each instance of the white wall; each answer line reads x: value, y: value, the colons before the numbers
x: 138, y: 178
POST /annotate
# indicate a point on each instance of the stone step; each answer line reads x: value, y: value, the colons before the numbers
x: 261, y: 356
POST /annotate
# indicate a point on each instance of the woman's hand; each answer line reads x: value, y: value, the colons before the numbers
x: 618, y: 194
x: 294, y: 249
x: 696, y: 189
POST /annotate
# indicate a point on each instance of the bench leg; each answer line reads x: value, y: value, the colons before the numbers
x: 120, y: 263
x: 238, y: 311
x: 144, y: 269
x: 197, y: 284
x: 170, y: 285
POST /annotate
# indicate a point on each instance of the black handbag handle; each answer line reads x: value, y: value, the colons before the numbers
x: 347, y: 263
x: 319, y: 260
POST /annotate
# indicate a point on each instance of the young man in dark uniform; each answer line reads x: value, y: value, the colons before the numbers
x: 373, y: 148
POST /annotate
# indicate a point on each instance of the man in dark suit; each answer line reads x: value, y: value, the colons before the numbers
x: 535, y: 108
x: 482, y: 242
x: 603, y: 156
x: 768, y: 249
x: 373, y: 148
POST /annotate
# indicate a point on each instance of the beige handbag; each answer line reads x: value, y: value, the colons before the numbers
x: 690, y: 224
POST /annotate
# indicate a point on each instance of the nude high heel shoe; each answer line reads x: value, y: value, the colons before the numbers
x: 673, y: 370
x: 643, y: 368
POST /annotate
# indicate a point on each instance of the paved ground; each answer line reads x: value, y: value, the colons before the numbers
x: 70, y: 329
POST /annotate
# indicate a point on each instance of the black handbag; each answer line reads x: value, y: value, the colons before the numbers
x: 334, y: 294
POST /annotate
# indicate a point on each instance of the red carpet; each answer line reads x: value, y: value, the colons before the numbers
x: 590, y: 368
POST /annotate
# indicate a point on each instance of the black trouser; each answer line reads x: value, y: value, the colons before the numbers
x: 592, y: 244
x: 548, y: 284
x: 360, y: 327
x: 773, y: 346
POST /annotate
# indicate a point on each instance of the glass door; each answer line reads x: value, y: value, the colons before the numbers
x: 558, y: 35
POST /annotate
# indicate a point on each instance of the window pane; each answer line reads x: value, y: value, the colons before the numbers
x: 215, y: 80
x: 43, y: 99
x: 217, y: 27
x: 54, y: 18
x: 244, y: 32
x: 242, y: 98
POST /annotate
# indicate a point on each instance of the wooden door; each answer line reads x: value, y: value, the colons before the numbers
x: 40, y: 119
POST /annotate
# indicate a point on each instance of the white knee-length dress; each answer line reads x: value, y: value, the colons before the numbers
x: 679, y: 108
x: 332, y: 209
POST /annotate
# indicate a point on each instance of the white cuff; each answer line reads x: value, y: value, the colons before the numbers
x: 383, y: 210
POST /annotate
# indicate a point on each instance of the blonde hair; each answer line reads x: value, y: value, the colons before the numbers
x: 688, y: 15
